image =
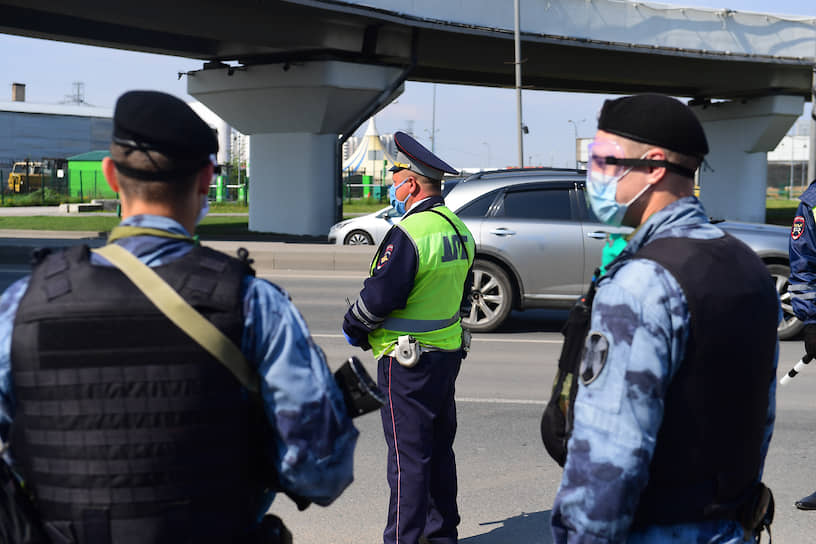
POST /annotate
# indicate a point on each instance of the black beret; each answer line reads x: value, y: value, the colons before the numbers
x: 655, y: 119
x: 161, y: 122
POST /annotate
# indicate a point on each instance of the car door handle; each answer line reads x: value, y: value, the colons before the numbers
x: 598, y: 235
x: 501, y: 231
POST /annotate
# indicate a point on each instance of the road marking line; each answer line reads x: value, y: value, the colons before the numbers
x: 511, y: 340
x: 500, y: 401
x: 273, y: 275
x: 517, y: 340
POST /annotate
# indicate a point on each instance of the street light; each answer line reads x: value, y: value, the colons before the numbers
x: 488, y: 153
x: 575, y: 127
x: 522, y: 128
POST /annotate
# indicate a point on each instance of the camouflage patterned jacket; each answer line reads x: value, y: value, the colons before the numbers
x: 643, y: 319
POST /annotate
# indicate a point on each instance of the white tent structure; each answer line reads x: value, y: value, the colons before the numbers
x: 371, y: 158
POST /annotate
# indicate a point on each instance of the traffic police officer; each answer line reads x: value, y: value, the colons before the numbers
x: 802, y: 250
x: 676, y: 400
x: 408, y: 315
x: 123, y: 427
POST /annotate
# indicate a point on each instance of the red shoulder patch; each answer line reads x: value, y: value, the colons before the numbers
x: 798, y: 227
x: 385, y: 256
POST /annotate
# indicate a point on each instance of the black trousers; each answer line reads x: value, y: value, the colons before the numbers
x: 419, y: 423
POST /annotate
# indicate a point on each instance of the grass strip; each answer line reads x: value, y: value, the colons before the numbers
x: 104, y: 223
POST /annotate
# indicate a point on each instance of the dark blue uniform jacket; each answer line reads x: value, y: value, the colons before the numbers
x: 391, y: 281
x: 802, y: 251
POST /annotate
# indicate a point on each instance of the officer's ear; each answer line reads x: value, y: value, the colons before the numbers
x: 417, y: 187
x: 205, y: 178
x: 655, y: 173
x: 109, y: 171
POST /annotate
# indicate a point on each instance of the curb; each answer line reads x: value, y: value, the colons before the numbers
x: 17, y: 248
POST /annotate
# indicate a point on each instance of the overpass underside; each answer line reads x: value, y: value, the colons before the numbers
x: 300, y: 75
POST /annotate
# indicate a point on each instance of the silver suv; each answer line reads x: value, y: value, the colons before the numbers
x: 538, y: 243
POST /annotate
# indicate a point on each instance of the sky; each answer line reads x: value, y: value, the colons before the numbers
x: 475, y: 126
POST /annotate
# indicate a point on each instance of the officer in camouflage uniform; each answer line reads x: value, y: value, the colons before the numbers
x: 124, y: 428
x: 676, y: 401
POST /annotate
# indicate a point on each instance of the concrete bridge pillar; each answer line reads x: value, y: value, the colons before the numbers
x: 740, y: 133
x: 294, y: 114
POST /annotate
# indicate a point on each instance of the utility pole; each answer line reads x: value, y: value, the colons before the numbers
x: 518, y: 86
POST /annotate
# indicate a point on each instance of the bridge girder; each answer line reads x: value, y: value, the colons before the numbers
x: 248, y: 32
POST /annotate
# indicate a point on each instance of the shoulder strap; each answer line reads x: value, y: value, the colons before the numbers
x: 182, y: 314
x: 127, y: 231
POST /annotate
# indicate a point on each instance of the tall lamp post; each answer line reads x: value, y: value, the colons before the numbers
x: 521, y: 126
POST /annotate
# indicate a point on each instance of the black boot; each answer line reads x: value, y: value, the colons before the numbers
x: 807, y: 503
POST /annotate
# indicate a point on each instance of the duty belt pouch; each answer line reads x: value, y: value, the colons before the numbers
x: 407, y: 350
x: 556, y: 421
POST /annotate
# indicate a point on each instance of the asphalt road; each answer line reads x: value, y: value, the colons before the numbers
x: 506, y: 481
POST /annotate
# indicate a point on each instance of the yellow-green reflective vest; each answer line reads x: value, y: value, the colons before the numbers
x: 431, y: 314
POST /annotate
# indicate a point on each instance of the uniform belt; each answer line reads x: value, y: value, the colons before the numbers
x: 418, y: 325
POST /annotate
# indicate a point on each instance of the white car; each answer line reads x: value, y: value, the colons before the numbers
x: 371, y: 228
x: 364, y: 230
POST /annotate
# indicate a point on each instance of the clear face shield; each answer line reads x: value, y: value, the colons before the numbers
x: 607, y: 165
x: 599, y: 167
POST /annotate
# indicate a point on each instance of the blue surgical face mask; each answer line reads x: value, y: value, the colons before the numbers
x: 601, y: 190
x: 399, y: 205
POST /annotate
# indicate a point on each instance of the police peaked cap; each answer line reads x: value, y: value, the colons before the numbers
x: 415, y: 157
x: 655, y: 119
x: 155, y: 121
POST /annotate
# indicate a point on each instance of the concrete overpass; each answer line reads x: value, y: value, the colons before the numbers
x: 296, y: 74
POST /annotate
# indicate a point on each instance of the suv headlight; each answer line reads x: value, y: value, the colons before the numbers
x: 339, y: 225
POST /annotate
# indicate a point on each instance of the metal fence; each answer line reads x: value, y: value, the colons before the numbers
x: 365, y: 190
x: 83, y: 185
x: 50, y: 188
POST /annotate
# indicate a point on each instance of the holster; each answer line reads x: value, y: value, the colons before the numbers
x: 757, y: 514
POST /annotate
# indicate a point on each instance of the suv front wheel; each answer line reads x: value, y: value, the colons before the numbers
x: 491, y: 297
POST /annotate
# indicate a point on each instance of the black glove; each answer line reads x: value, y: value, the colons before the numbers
x: 810, y: 339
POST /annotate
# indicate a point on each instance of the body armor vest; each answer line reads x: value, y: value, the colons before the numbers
x: 708, y: 453
x: 126, y: 430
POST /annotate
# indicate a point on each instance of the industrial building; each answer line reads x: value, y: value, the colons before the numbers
x: 48, y: 131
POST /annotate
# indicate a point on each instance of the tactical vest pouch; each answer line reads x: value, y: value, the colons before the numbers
x: 556, y: 421
x: 754, y: 511
x: 760, y: 515
x: 19, y: 520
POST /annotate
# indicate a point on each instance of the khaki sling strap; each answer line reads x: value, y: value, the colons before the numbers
x: 182, y: 314
x: 124, y: 231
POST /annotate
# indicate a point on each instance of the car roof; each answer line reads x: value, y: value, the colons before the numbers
x: 484, y: 182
